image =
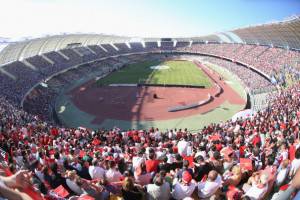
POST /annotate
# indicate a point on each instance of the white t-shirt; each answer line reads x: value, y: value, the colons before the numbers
x: 137, y: 161
x: 74, y: 187
x: 208, y: 188
x: 256, y: 193
x: 113, y: 175
x: 295, y: 165
x: 39, y: 174
x: 181, y: 191
x: 158, y: 192
x: 281, y: 176
x: 96, y: 172
x: 182, y: 147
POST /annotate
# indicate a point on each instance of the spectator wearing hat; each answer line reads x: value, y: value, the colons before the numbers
x: 184, y: 187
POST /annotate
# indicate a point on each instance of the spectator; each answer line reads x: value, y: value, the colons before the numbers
x: 131, y: 191
x: 159, y: 190
x: 112, y: 174
x: 184, y: 187
x: 210, y: 187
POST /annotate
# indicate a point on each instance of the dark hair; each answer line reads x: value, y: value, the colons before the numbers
x: 159, y: 180
x: 53, y: 167
x: 178, y: 157
x: 111, y: 164
x: 56, y: 155
x: 297, y: 153
x: 186, y: 163
x: 217, y: 155
x: 151, y: 155
x: 199, y: 158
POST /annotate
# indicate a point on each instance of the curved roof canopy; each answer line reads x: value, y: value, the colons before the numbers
x: 283, y: 34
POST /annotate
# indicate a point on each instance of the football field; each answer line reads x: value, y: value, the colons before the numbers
x: 154, y: 72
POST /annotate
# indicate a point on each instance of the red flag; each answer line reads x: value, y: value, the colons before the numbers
x: 61, y: 191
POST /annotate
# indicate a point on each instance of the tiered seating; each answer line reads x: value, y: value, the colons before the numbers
x: 234, y: 158
x: 137, y: 47
x: 167, y: 45
x: 151, y: 46
x: 99, y: 51
x: 182, y: 44
x: 122, y: 47
x: 39, y: 62
x: 110, y: 49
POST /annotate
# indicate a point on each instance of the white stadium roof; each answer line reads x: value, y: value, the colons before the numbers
x: 284, y: 34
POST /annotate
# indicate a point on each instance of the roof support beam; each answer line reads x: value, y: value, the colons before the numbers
x: 47, y: 59
x: 28, y: 64
x: 63, y: 55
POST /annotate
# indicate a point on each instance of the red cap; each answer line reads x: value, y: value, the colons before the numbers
x: 186, y: 177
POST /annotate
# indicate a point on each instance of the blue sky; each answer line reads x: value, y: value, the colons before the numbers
x: 141, y: 18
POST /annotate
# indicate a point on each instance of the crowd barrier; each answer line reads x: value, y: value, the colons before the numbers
x: 170, y: 85
x: 190, y: 106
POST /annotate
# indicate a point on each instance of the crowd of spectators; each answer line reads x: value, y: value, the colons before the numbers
x: 250, y: 78
x: 251, y: 158
x: 265, y: 58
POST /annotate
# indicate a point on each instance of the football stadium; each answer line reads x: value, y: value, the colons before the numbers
x: 93, y: 111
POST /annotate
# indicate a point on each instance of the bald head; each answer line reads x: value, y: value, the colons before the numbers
x: 212, y: 175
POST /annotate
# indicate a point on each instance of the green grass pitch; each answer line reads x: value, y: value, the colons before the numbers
x: 179, y: 73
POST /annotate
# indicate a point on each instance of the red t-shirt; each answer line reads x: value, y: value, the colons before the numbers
x: 256, y: 140
x: 151, y: 165
x: 292, y: 151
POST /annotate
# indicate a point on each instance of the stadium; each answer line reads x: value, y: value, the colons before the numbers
x: 104, y: 116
